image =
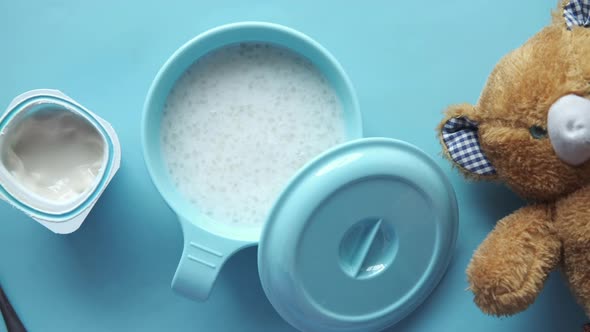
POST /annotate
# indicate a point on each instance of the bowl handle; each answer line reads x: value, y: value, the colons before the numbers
x: 202, y: 258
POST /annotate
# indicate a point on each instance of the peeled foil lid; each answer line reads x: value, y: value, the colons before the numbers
x: 59, y: 217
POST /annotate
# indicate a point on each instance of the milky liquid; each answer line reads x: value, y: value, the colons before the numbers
x: 240, y: 123
x: 55, y: 154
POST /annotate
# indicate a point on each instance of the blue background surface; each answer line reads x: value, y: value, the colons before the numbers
x: 408, y: 61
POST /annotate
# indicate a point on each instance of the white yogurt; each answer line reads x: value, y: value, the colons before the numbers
x: 55, y: 154
x: 240, y: 122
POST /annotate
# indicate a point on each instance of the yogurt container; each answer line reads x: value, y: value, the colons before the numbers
x: 358, y: 237
x: 56, y: 158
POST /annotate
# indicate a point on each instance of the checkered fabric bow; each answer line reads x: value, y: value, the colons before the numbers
x: 577, y: 13
x: 462, y: 141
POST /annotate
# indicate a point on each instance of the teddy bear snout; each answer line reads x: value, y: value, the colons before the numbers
x: 568, y: 125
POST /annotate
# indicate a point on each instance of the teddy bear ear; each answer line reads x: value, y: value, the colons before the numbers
x: 575, y: 13
x: 460, y: 139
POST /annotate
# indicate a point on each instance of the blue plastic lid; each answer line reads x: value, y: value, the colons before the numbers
x: 358, y: 238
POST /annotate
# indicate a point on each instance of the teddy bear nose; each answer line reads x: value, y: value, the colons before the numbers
x: 568, y: 125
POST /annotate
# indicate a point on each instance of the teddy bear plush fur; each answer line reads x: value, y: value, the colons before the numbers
x: 509, y: 122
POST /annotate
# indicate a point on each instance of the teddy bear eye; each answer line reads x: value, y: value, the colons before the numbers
x: 538, y: 132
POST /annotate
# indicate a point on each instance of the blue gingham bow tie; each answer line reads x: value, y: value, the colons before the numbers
x: 577, y: 13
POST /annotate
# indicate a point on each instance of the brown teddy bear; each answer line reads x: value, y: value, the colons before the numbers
x: 531, y: 130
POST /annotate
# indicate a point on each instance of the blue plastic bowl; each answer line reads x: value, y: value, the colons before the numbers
x: 207, y: 244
